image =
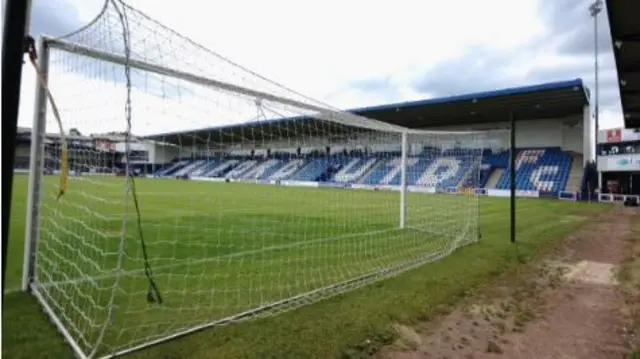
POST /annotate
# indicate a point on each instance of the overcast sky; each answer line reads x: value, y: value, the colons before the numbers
x: 360, y: 53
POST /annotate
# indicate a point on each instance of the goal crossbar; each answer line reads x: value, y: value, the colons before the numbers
x: 322, y: 113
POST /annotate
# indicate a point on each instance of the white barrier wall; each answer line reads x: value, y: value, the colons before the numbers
x: 419, y: 189
x: 616, y: 198
x: 161, y: 153
x: 566, y: 133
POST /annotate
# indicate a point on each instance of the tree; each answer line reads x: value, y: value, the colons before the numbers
x: 74, y: 132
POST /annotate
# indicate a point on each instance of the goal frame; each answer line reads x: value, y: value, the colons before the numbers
x: 37, y: 156
x: 36, y: 170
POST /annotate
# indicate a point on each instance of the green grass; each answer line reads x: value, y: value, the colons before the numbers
x: 219, y: 249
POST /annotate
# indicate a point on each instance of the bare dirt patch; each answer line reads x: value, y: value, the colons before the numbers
x: 629, y: 278
x: 567, y: 306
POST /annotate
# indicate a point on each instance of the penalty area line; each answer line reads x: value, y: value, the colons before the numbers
x: 12, y: 290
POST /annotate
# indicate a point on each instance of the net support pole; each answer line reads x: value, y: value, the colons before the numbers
x: 512, y: 177
x: 403, y: 179
x: 36, y: 166
x: 16, y: 22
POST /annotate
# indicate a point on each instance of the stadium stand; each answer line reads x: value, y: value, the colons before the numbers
x: 208, y: 165
x: 353, y: 168
x: 224, y: 166
x: 387, y: 172
x: 313, y: 170
x: 190, y: 168
x: 541, y: 169
x: 171, y: 168
x: 545, y: 169
x: 285, y: 170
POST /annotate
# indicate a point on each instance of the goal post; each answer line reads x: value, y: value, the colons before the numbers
x: 36, y: 163
x: 288, y: 200
x: 403, y: 178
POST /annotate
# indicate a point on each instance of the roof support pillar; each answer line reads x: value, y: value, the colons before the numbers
x: 587, y: 141
x: 512, y: 177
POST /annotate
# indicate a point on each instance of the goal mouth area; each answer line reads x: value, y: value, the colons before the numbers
x: 241, y: 251
x: 163, y: 269
x: 265, y: 310
x: 228, y: 311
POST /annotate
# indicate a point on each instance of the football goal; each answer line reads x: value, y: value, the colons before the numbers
x: 202, y: 194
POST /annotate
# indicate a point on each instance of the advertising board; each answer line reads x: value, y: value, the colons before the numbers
x: 619, y: 163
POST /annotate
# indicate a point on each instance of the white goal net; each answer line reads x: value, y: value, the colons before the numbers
x: 255, y: 200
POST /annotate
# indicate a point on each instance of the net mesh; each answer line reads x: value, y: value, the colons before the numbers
x: 277, y: 213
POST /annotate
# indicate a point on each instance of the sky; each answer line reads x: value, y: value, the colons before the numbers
x: 346, y: 54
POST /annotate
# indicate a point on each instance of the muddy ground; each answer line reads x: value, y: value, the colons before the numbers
x: 565, y: 306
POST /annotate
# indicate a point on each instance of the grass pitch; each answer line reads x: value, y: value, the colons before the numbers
x: 220, y: 249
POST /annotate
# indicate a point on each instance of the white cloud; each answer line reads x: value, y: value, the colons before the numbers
x: 318, y: 48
